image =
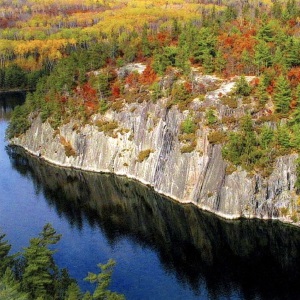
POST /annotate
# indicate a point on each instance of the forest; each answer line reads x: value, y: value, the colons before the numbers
x: 71, y: 56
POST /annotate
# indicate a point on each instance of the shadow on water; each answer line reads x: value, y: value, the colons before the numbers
x: 8, y: 101
x: 257, y: 259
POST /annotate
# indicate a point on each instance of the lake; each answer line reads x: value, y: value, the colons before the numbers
x: 163, y: 250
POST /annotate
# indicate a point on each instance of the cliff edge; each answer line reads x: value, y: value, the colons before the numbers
x: 144, y: 141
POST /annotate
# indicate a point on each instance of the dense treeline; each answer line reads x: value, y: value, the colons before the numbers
x: 33, y: 274
x: 36, y: 35
x: 258, y: 40
x: 14, y: 77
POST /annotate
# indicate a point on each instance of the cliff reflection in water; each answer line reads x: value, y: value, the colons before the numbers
x: 256, y: 258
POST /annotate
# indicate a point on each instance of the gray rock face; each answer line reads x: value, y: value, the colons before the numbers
x: 198, y: 177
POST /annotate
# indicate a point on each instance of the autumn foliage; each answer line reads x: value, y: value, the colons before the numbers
x: 148, y: 76
x: 294, y: 76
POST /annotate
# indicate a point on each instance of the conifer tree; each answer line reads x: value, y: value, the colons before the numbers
x: 262, y: 55
x: 282, y: 95
x: 40, y: 269
x: 283, y: 136
x: 242, y: 87
x: 10, y: 287
x: 266, y: 136
x: 5, y: 259
x: 103, y: 280
x: 262, y: 93
x: 73, y: 292
x: 145, y: 42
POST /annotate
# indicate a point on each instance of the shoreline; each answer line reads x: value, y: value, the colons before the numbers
x: 225, y: 217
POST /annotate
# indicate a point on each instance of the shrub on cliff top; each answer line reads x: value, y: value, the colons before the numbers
x: 19, y: 122
x: 188, y: 125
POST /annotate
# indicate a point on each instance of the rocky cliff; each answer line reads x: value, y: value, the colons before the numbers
x: 142, y: 141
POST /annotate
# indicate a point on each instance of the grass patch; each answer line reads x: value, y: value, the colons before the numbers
x: 217, y: 137
x: 190, y: 147
x: 69, y: 150
x: 230, y: 101
x: 107, y: 127
x: 143, y: 155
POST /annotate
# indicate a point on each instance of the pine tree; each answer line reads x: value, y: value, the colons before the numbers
x: 277, y: 9
x: 242, y: 87
x: 206, y: 45
x: 73, y: 292
x: 278, y: 58
x: 10, y: 288
x: 292, y: 52
x: 266, y: 136
x: 145, y: 42
x: 283, y: 137
x: 220, y: 62
x: 103, y: 280
x: 262, y: 93
x: 40, y: 269
x: 5, y: 259
x: 262, y: 55
x: 282, y: 95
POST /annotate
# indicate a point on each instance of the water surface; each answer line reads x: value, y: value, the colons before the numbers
x: 163, y: 250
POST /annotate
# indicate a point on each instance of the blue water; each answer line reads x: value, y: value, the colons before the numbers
x: 163, y: 250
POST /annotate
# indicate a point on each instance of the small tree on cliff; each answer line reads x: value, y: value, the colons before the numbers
x: 282, y: 95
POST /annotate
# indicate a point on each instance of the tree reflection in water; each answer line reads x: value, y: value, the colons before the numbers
x: 259, y: 259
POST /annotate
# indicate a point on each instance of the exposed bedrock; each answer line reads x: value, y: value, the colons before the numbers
x: 146, y: 146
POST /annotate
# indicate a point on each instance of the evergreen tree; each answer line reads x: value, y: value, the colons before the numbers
x: 175, y: 29
x: 247, y: 60
x: 291, y: 9
x: 262, y: 93
x: 19, y: 122
x: 73, y: 292
x: 145, y: 42
x: 156, y: 91
x: 262, y: 55
x: 296, y: 113
x: 248, y: 134
x: 62, y: 283
x: 15, y: 77
x: 277, y: 9
x: 103, y: 280
x: 283, y: 137
x: 206, y: 45
x: 230, y: 13
x: 241, y: 148
x: 242, y: 87
x: 182, y: 60
x: 164, y: 58
x: 188, y: 38
x: 2, y: 78
x: 266, y: 33
x: 40, y: 269
x: 10, y: 288
x: 5, y: 259
x: 297, y: 94
x: 208, y: 63
x: 279, y: 59
x: 220, y: 62
x: 292, y: 52
x: 282, y: 95
x: 211, y: 117
x: 266, y: 137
